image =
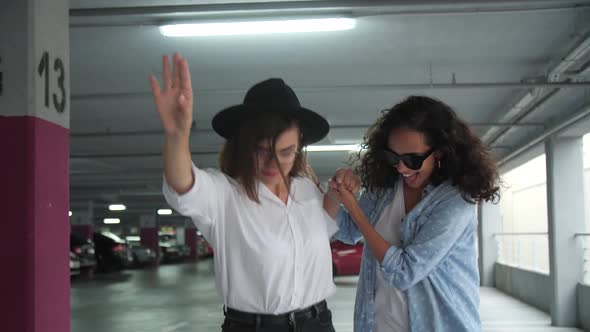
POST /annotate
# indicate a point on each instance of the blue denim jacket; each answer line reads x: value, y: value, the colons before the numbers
x: 436, y: 265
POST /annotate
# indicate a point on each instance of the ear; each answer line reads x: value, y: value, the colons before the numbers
x: 438, y: 155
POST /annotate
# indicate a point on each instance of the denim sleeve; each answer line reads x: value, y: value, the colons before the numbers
x: 404, y: 267
x: 348, y: 231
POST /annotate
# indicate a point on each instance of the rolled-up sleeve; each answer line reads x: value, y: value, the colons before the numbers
x: 404, y: 267
x: 331, y: 225
x: 313, y: 191
x: 204, y: 202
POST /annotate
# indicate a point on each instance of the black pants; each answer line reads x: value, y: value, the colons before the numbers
x: 314, y: 319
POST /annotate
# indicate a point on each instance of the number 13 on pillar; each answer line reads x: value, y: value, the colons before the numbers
x: 52, y: 72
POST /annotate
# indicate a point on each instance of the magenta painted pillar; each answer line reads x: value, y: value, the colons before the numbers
x: 82, y: 223
x: 84, y: 231
x: 149, y: 237
x: 34, y: 143
x: 190, y: 239
x: 149, y: 233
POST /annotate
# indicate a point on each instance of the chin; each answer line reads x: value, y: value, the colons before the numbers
x: 415, y: 185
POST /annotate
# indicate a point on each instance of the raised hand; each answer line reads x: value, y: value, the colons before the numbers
x: 174, y: 99
x: 345, y: 197
x: 345, y: 178
x: 174, y: 102
x: 343, y: 186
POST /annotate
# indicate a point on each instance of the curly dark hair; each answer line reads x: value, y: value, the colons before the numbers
x: 464, y: 159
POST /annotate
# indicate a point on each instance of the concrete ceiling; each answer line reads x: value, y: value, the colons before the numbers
x: 519, y: 68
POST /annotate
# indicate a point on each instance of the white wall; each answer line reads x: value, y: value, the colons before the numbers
x: 524, y: 210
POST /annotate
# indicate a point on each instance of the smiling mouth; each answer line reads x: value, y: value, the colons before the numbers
x: 410, y: 178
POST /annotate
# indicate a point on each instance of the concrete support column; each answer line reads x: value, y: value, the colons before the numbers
x: 82, y: 222
x: 490, y: 223
x: 180, y: 235
x: 565, y: 203
x: 34, y: 140
x: 149, y: 233
x: 81, y: 225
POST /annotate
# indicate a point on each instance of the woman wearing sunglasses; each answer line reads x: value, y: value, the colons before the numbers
x: 424, y: 172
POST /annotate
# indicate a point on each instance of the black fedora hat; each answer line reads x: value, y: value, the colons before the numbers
x: 272, y: 95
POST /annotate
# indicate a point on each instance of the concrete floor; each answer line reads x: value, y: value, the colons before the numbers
x: 182, y: 298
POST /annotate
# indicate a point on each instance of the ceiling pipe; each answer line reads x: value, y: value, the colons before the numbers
x: 194, y: 153
x: 140, y: 171
x: 395, y: 7
x: 146, y: 184
x: 574, y: 57
x: 157, y: 172
x: 102, y: 134
x: 524, y: 107
x: 552, y: 130
x: 134, y: 155
x: 385, y: 86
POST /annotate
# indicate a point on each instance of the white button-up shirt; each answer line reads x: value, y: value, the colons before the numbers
x: 270, y: 257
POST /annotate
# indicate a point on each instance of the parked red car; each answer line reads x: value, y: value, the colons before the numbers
x: 346, y: 258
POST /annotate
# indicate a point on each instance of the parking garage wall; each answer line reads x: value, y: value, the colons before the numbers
x: 530, y: 287
x: 584, y: 306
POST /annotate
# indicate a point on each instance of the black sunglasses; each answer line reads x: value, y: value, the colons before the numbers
x: 411, y: 160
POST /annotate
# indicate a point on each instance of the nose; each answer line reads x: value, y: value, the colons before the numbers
x: 270, y: 163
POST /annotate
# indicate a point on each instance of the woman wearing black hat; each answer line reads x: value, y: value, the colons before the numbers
x: 262, y: 213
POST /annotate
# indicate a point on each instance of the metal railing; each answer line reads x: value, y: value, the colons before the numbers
x: 584, y: 241
x: 528, y: 251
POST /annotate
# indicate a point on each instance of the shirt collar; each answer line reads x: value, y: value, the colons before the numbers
x: 264, y: 191
x: 429, y: 188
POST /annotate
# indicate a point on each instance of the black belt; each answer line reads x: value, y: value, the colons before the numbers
x: 282, y: 319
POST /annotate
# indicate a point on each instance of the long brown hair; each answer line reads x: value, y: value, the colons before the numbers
x: 238, y: 158
x: 465, y: 160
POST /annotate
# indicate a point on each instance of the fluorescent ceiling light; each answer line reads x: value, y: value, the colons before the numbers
x: 257, y: 27
x: 70, y: 213
x: 132, y: 238
x: 164, y: 212
x: 117, y: 207
x: 336, y: 147
x: 112, y: 220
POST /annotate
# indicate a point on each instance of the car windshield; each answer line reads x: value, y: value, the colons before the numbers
x: 112, y: 236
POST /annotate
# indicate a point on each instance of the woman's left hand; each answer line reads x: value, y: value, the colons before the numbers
x: 343, y: 195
